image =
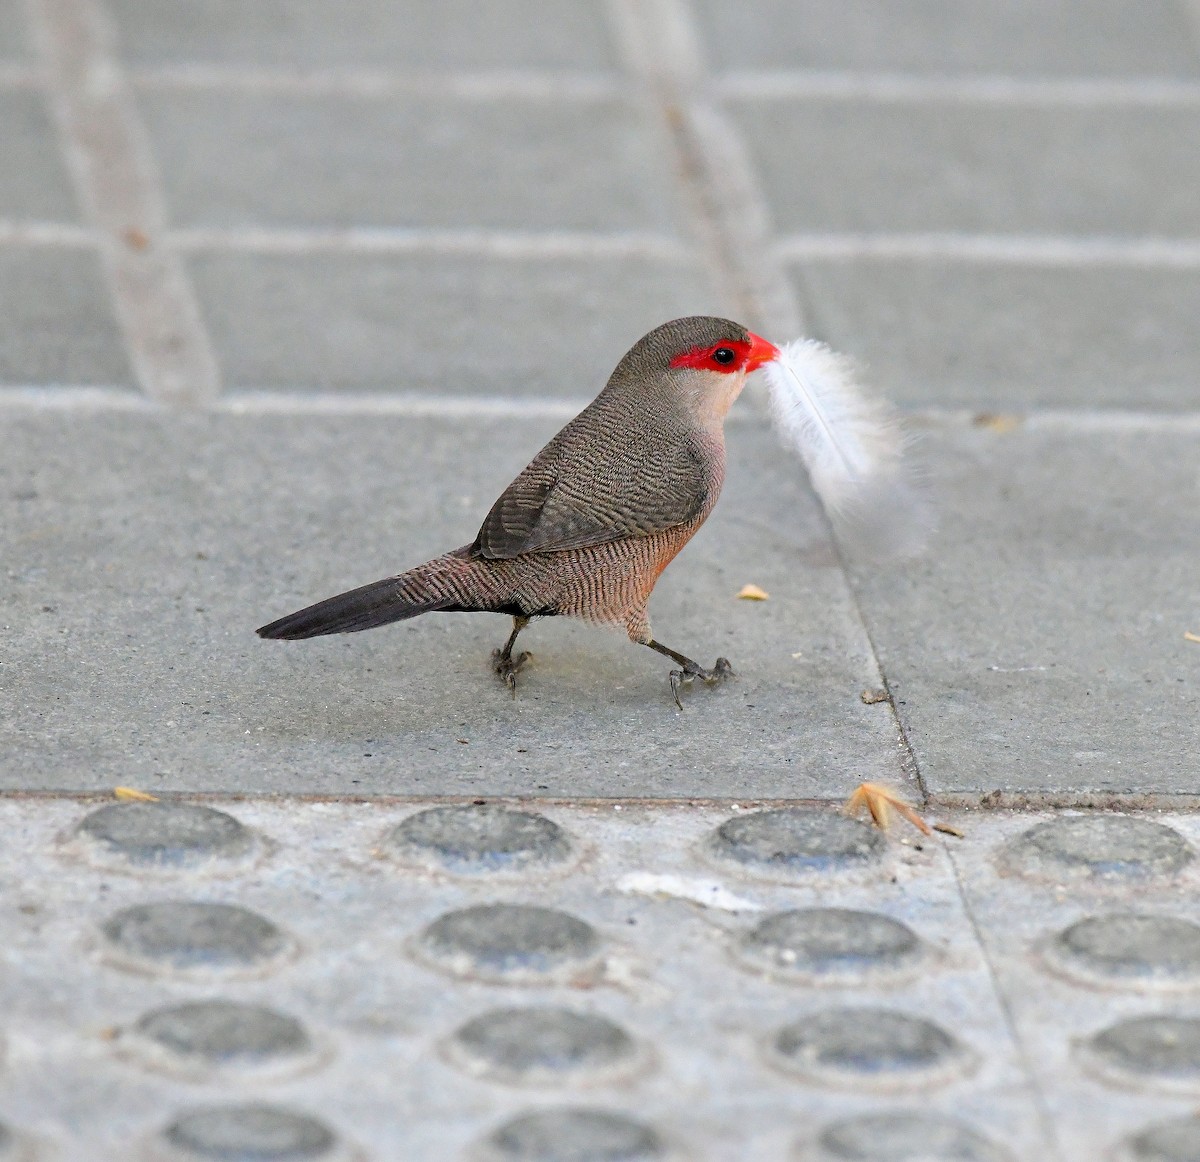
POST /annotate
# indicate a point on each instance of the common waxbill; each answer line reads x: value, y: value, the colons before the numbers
x: 588, y: 527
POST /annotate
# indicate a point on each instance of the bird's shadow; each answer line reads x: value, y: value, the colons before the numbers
x: 433, y: 680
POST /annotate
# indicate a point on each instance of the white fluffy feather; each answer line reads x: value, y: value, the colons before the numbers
x: 852, y: 447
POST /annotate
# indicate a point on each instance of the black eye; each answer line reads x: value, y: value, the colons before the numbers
x: 724, y: 355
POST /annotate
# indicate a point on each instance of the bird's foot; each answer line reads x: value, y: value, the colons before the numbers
x: 508, y: 667
x: 690, y: 672
x: 880, y: 802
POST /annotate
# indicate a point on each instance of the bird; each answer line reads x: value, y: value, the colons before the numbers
x: 587, y: 528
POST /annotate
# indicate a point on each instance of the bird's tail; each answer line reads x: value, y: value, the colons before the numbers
x: 445, y: 583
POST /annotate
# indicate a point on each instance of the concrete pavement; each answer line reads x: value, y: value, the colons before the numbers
x: 290, y: 290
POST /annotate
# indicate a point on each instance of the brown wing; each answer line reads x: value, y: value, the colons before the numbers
x: 588, y: 486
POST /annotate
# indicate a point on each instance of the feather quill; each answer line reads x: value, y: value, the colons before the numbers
x: 853, y: 448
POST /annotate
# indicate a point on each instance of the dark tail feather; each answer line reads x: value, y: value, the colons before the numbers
x: 362, y: 608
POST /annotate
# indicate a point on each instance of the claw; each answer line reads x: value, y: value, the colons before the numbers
x: 507, y: 667
x: 720, y: 671
x: 685, y: 677
x: 880, y: 802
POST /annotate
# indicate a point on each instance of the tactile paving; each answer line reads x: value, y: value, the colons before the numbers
x: 1129, y: 949
x: 250, y: 1132
x: 831, y: 946
x: 1099, y: 846
x: 868, y: 1046
x: 179, y: 835
x: 511, y: 944
x: 1152, y: 1050
x: 573, y: 1135
x: 478, y: 837
x: 795, y: 841
x: 903, y: 1137
x: 192, y: 937
x: 199, y: 1038
x: 546, y: 1046
x: 597, y: 983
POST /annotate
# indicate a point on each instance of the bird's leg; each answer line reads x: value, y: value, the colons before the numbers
x: 504, y: 663
x: 690, y: 670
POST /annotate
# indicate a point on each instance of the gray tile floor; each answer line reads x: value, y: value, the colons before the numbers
x: 387, y: 979
x: 289, y: 291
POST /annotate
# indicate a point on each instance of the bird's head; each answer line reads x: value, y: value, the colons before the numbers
x: 702, y: 360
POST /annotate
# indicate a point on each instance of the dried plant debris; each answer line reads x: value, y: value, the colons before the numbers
x: 999, y: 422
x: 753, y: 593
x: 880, y: 802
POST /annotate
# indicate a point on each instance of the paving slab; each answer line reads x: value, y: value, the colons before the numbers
x: 428, y: 36
x: 662, y: 1035
x: 422, y: 1007
x: 436, y: 322
x: 33, y: 179
x: 1038, y: 648
x: 238, y: 159
x: 46, y: 296
x: 894, y: 166
x: 1026, y: 38
x: 1006, y: 337
x: 138, y: 663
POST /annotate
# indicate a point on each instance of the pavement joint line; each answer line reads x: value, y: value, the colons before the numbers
x: 1083, y: 420
x: 493, y: 243
x: 1032, y: 250
x: 415, y: 404
x: 982, y: 803
x: 1048, y: 250
x: 664, y: 47
x: 65, y: 234
x: 100, y: 397
x: 903, y: 88
x: 82, y: 397
x: 626, y: 22
x: 1000, y: 802
x: 1036, y: 1094
x: 476, y: 86
x: 109, y: 157
x: 70, y: 397
x: 738, y: 804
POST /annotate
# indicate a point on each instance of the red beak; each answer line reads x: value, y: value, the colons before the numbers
x: 760, y: 352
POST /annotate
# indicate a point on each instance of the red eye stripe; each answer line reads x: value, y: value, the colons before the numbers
x: 704, y: 358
